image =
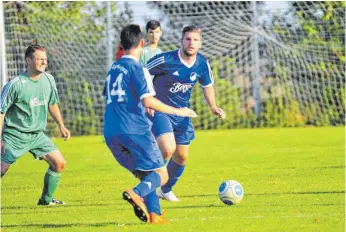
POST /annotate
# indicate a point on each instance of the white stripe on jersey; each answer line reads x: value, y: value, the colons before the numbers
x: 6, y: 90
x: 211, y: 76
x: 149, y: 83
x: 155, y: 62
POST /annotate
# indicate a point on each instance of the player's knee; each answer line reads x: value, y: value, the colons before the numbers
x: 4, y: 169
x: 180, y: 159
x: 3, y: 172
x: 164, y: 176
x: 140, y: 174
x: 60, y: 166
x: 168, y: 152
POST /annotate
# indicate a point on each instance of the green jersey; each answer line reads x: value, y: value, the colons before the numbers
x: 26, y: 102
x: 147, y: 54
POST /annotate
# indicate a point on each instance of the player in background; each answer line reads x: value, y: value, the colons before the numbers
x: 25, y: 102
x: 154, y: 34
x: 175, y: 74
x: 127, y: 132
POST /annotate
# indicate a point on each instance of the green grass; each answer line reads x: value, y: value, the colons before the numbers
x: 294, y: 180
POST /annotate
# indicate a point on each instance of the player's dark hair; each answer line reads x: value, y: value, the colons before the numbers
x: 131, y: 36
x: 153, y: 24
x: 32, y: 48
x: 190, y: 28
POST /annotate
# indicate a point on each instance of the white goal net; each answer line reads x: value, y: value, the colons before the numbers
x: 281, y: 65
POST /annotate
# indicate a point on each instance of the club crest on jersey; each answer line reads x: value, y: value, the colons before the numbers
x: 36, y: 102
x: 193, y: 76
x: 178, y: 87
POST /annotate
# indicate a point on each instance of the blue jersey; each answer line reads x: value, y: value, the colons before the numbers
x: 127, y: 84
x: 174, y: 79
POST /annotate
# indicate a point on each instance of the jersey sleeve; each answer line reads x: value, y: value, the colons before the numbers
x: 155, y: 64
x: 143, y: 84
x: 54, y: 97
x: 206, y: 78
x: 9, y: 95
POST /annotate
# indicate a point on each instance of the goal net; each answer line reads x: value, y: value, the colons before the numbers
x: 281, y: 65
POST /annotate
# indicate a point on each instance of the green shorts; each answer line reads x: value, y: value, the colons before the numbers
x: 18, y: 143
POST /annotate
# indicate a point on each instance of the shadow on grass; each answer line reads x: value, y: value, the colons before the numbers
x: 98, y: 224
x: 332, y: 167
x: 271, y: 194
x: 62, y: 206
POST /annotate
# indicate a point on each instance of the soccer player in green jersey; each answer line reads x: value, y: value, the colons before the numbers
x: 25, y: 102
x: 154, y: 34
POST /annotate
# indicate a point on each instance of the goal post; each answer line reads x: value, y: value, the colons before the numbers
x: 3, y: 74
x: 273, y: 67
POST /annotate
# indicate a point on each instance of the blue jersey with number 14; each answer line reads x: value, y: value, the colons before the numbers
x: 127, y: 84
x: 174, y: 78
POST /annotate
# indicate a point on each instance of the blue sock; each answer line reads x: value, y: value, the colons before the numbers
x: 148, y: 184
x: 152, y: 203
x: 174, y: 172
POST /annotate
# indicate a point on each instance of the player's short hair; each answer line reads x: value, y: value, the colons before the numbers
x: 152, y: 24
x: 32, y: 48
x: 190, y: 28
x: 131, y: 36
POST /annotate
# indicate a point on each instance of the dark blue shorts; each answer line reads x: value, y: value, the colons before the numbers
x: 181, y: 127
x: 136, y: 152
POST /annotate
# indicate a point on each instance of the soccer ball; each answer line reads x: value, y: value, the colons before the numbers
x: 231, y: 192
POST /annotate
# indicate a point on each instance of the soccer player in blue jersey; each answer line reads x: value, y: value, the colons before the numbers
x: 175, y: 73
x: 129, y: 91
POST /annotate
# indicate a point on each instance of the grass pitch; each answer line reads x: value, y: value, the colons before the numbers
x: 294, y: 180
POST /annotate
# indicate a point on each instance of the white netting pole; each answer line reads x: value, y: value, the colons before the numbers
x: 3, y: 75
x: 255, y: 63
x: 109, y: 35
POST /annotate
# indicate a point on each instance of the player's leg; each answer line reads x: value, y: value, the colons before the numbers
x: 4, y: 168
x: 167, y: 144
x: 52, y: 177
x: 44, y: 149
x: 175, y: 167
x: 121, y: 148
x: 16, y: 144
x: 150, y: 168
x: 184, y: 133
x: 162, y: 129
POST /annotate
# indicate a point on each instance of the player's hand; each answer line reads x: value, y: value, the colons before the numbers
x: 149, y: 111
x: 186, y: 112
x: 2, y: 146
x: 65, y: 133
x: 218, y: 112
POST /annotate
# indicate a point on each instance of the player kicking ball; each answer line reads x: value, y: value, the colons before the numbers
x: 175, y: 73
x: 127, y: 132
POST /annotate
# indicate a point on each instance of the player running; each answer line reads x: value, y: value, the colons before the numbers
x: 127, y: 129
x: 175, y: 73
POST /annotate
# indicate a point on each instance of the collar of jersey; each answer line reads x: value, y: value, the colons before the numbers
x: 182, y: 61
x: 130, y: 57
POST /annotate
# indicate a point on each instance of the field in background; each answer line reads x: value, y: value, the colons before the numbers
x: 294, y: 180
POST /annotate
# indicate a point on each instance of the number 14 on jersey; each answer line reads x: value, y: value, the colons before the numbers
x: 115, y: 89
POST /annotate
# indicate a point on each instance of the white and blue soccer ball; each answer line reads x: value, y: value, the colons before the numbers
x: 231, y: 192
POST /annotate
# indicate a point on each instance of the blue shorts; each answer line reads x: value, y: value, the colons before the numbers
x: 181, y: 127
x: 136, y: 152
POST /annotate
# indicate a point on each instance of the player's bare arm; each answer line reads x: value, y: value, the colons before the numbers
x: 209, y: 95
x: 55, y: 112
x: 155, y: 104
